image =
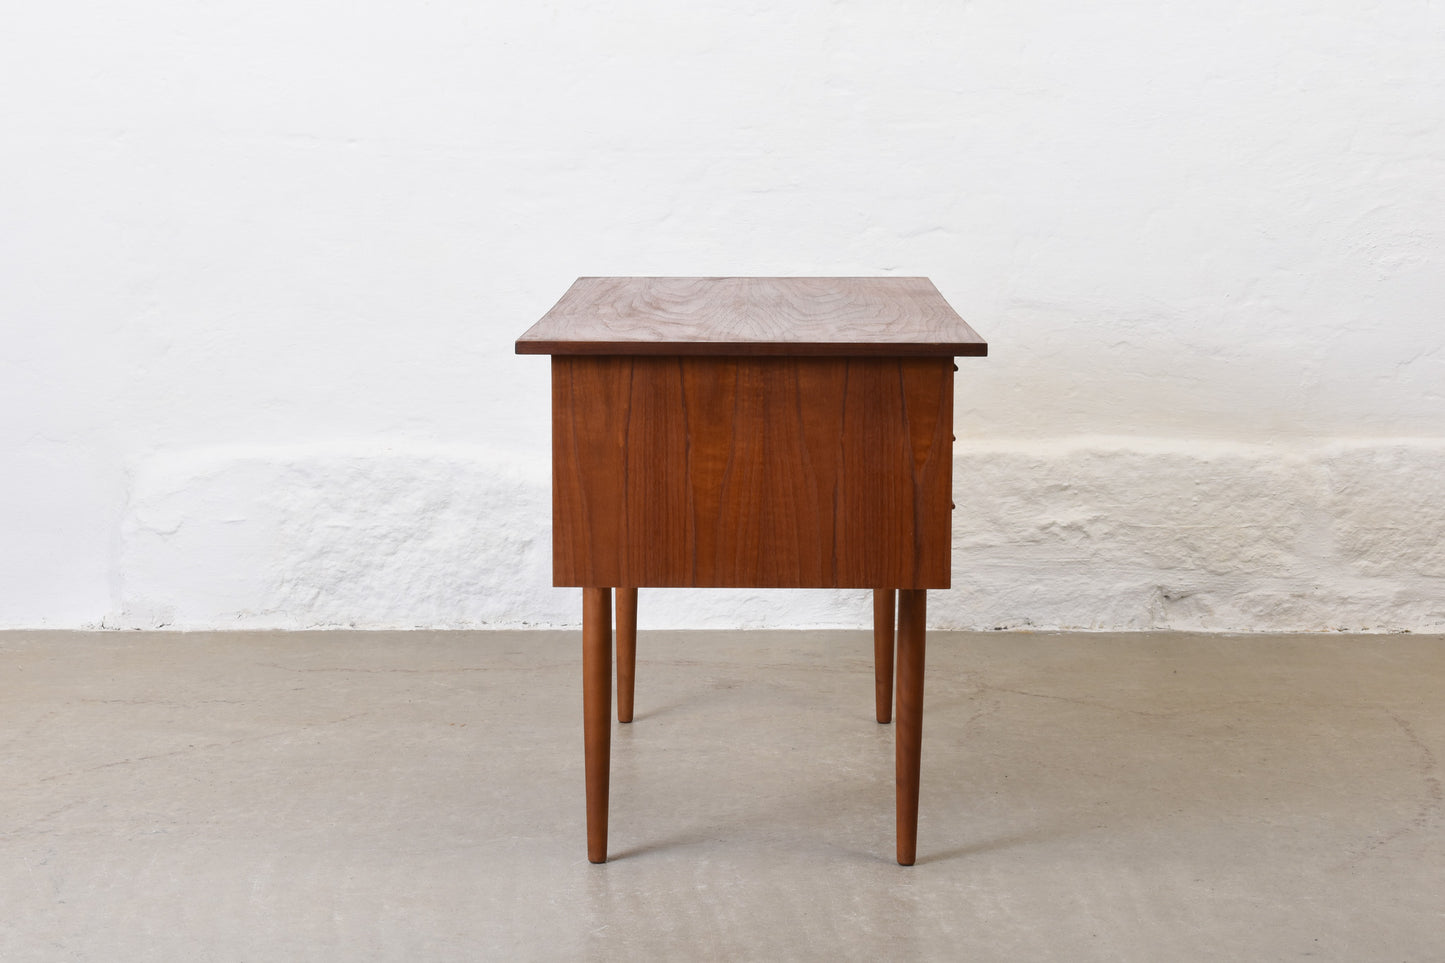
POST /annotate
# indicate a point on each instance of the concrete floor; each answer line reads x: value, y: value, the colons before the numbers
x: 418, y: 796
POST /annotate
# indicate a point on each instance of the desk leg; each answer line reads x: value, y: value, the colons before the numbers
x: 597, y: 712
x: 883, y: 653
x: 626, y: 651
x: 908, y: 731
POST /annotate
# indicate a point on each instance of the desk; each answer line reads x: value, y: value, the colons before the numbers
x: 759, y: 433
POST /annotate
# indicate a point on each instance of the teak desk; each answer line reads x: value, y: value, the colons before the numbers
x: 752, y: 432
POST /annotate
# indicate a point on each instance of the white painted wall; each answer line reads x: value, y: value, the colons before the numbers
x: 261, y: 266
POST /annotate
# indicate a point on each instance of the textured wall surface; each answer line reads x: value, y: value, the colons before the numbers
x: 1094, y: 533
x: 261, y: 266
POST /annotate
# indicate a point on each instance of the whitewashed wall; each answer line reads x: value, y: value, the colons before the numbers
x: 261, y: 265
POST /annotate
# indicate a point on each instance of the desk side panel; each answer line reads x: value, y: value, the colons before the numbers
x: 758, y: 472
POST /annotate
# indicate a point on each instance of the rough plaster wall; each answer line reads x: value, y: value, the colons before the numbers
x: 261, y: 266
x: 1091, y: 533
x: 1117, y: 533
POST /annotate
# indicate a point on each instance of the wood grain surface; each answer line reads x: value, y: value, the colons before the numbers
x: 752, y: 472
x: 873, y: 317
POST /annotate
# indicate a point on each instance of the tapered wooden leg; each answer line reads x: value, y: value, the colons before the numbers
x: 597, y: 712
x: 908, y: 730
x: 626, y: 651
x: 883, y: 653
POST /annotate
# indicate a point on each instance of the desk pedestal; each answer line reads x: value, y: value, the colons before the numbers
x: 799, y: 472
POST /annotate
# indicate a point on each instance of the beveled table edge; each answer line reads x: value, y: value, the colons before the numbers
x: 755, y: 349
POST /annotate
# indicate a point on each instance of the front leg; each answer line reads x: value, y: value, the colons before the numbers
x: 597, y: 713
x: 908, y: 734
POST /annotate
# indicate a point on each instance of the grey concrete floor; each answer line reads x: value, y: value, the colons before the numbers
x: 418, y: 796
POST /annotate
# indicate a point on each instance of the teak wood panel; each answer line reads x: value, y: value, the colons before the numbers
x: 797, y: 317
x: 752, y: 472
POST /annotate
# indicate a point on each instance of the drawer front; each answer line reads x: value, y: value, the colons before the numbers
x: 752, y: 472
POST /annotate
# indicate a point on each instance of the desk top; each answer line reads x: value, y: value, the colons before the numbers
x: 885, y: 316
